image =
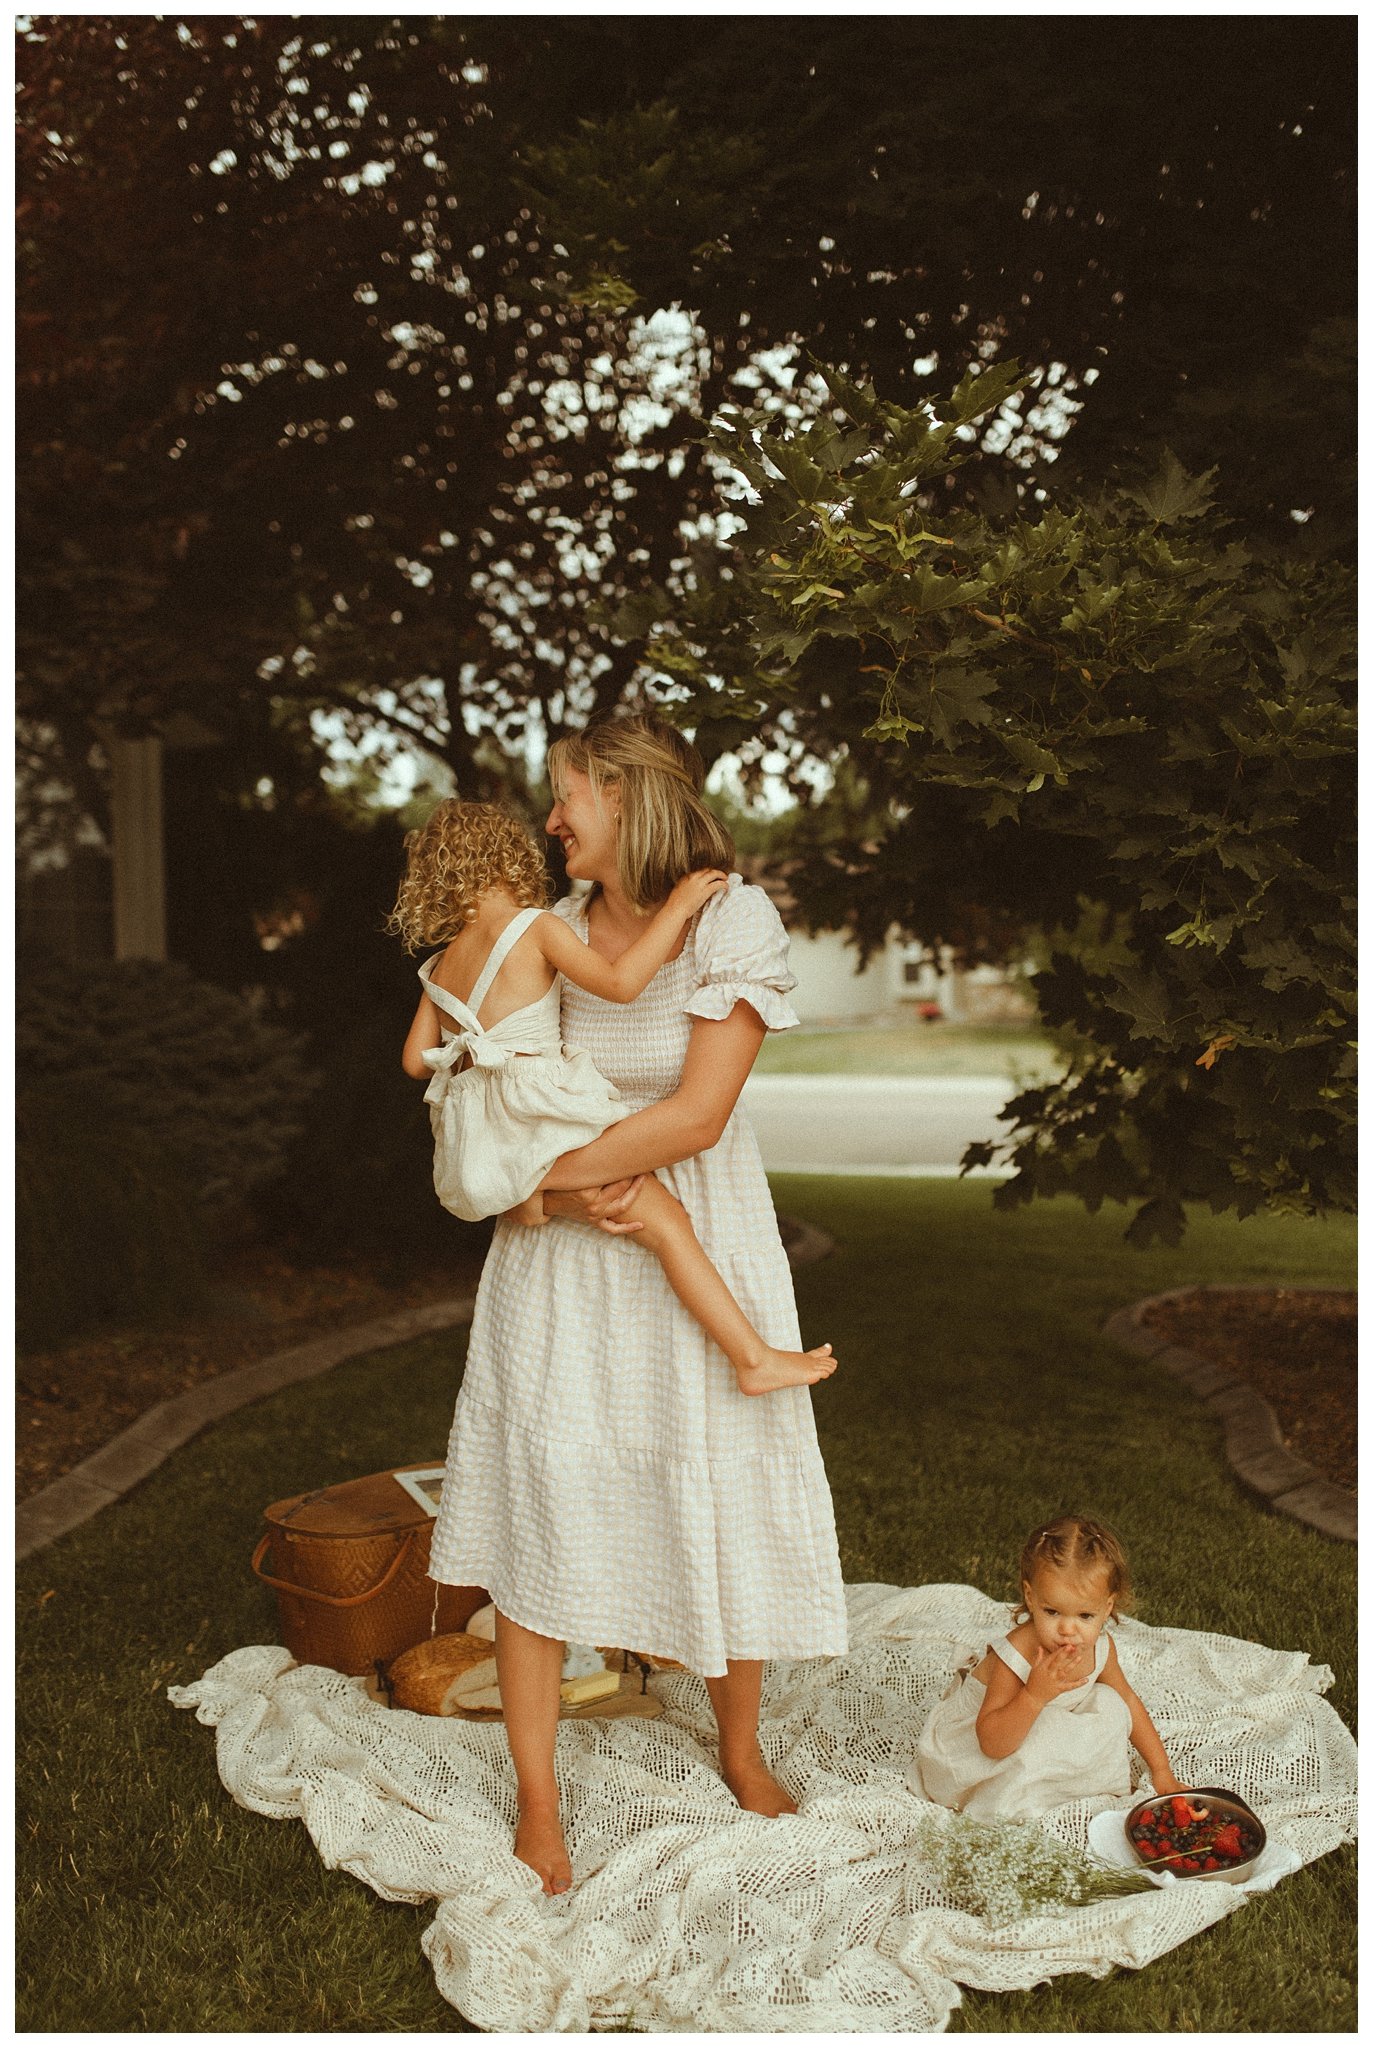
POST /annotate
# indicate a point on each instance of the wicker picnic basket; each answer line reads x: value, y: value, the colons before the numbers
x: 349, y: 1565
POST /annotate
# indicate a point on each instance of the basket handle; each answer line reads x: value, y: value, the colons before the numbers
x: 332, y: 1599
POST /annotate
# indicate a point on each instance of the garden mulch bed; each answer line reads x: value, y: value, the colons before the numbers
x: 1296, y: 1347
x: 72, y: 1400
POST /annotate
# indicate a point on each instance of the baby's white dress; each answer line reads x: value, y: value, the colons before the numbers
x: 524, y: 1101
x: 606, y: 1481
x: 1077, y: 1748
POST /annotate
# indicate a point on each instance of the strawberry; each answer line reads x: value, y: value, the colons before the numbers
x: 1227, y: 1842
x: 1210, y: 1864
x: 1181, y: 1811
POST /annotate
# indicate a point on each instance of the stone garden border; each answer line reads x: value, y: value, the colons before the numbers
x: 118, y: 1466
x: 1253, y: 1441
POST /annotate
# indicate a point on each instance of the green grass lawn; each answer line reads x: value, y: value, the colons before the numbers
x: 1011, y: 1052
x: 975, y: 1395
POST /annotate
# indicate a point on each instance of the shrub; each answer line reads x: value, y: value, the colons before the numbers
x: 214, y: 1090
x: 103, y: 1225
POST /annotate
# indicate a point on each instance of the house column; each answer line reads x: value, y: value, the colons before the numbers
x: 140, y: 885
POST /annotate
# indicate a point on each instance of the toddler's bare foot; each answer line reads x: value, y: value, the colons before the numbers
x: 539, y: 1843
x: 755, y: 1788
x: 772, y: 1370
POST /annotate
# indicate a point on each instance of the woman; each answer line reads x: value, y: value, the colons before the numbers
x: 606, y: 1480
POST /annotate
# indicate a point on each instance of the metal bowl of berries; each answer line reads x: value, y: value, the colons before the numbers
x: 1202, y: 1833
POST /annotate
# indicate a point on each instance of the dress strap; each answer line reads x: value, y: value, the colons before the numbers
x: 1006, y: 1650
x: 496, y: 958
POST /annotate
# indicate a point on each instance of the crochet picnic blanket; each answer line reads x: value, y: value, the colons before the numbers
x: 688, y: 1915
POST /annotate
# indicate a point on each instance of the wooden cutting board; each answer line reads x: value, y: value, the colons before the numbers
x: 615, y: 1706
x: 629, y: 1700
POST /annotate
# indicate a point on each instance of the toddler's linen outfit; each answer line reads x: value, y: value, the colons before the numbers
x: 524, y: 1101
x: 1078, y: 1747
x: 606, y: 1480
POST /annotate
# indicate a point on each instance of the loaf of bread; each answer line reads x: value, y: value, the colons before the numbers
x: 445, y: 1675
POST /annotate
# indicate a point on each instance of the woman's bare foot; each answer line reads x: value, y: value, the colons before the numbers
x: 539, y: 1843
x: 755, y: 1788
x: 772, y: 1370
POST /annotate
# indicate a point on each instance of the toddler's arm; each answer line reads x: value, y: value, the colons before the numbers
x: 1011, y: 1707
x: 425, y: 1032
x: 620, y: 981
x: 1143, y: 1733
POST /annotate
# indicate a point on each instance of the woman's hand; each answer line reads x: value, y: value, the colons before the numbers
x: 602, y: 1206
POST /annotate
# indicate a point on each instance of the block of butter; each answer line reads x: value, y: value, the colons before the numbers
x: 593, y: 1685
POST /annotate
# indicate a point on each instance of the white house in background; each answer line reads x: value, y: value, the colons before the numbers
x: 831, y: 988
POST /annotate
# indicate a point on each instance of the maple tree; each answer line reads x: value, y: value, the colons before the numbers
x: 1112, y: 715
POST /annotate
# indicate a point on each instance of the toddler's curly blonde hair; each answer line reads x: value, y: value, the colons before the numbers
x: 460, y: 851
x: 1076, y: 1544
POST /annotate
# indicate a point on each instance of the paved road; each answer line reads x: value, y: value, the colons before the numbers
x: 871, y: 1123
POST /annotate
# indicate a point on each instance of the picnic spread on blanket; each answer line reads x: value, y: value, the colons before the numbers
x: 863, y: 1912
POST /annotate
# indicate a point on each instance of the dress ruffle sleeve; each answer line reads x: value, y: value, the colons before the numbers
x: 741, y: 953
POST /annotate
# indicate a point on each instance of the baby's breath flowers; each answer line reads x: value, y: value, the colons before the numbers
x: 1008, y: 1870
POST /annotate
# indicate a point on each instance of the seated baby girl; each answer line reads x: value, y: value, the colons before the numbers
x: 1046, y: 1715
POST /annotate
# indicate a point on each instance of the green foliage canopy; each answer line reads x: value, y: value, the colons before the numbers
x: 334, y: 398
x: 1108, y: 704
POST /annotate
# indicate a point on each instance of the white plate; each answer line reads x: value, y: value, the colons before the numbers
x: 1106, y: 1834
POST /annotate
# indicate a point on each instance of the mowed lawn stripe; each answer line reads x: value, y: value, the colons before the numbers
x: 975, y: 1394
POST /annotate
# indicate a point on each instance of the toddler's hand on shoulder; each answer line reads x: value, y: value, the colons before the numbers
x: 694, y: 890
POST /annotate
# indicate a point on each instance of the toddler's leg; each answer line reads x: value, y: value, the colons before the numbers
x: 758, y: 1367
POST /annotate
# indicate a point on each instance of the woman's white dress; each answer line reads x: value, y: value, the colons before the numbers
x: 1078, y: 1747
x: 606, y: 1481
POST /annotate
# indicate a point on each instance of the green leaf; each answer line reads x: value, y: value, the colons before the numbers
x: 1160, y: 1221
x: 1036, y: 760
x: 836, y: 454
x: 892, y: 726
x: 958, y: 698
x: 1172, y: 495
x: 1001, y: 804
x: 1141, y: 996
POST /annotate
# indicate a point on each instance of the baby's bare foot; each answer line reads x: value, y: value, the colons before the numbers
x: 539, y: 1843
x: 773, y: 1370
x: 755, y: 1788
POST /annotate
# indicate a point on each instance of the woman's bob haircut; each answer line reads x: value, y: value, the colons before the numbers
x: 665, y: 831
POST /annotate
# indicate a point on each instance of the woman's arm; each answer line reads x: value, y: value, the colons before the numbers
x: 1143, y: 1733
x: 425, y: 1032
x: 620, y: 981
x: 690, y: 1120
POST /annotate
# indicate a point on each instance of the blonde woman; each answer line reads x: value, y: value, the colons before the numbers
x: 601, y: 1482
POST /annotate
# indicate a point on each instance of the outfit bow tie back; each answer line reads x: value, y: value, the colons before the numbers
x: 446, y: 1058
